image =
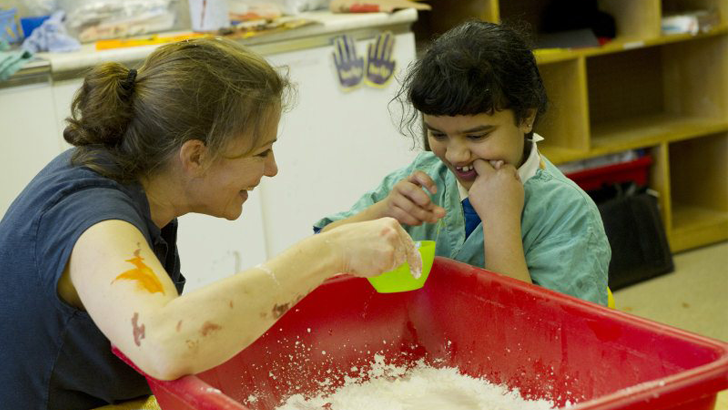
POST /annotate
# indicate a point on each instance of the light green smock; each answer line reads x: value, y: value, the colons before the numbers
x: 564, y: 241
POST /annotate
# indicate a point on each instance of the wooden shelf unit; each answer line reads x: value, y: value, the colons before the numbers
x: 667, y: 94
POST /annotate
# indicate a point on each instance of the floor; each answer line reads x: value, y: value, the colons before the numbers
x: 693, y: 298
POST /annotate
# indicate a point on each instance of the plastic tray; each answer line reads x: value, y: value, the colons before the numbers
x: 544, y: 343
x: 595, y: 178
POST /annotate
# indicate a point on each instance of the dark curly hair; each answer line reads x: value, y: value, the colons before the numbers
x: 476, y: 67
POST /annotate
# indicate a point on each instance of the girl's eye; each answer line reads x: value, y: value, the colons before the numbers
x: 438, y: 136
x: 477, y: 137
x: 264, y: 153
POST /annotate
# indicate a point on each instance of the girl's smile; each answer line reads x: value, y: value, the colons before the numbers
x: 460, y: 140
x: 466, y: 173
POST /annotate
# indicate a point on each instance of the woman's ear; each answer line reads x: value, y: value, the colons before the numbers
x: 528, y: 120
x: 193, y: 157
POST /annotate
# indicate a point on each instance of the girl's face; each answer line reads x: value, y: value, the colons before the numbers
x: 225, y: 185
x: 460, y: 140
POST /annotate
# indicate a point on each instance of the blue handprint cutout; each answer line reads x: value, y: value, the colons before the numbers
x: 380, y: 67
x: 349, y: 67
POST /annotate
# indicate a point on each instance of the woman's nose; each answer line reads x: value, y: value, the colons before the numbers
x: 271, y: 167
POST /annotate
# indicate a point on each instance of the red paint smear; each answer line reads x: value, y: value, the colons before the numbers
x: 139, y: 331
x: 280, y: 310
x: 209, y: 327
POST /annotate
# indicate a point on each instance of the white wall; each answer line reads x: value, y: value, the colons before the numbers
x: 334, y: 145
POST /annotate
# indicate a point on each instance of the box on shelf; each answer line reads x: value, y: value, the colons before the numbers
x: 595, y: 178
x: 546, y: 344
x: 690, y: 22
x: 29, y: 24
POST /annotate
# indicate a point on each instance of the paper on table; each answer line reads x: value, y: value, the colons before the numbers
x: 373, y: 6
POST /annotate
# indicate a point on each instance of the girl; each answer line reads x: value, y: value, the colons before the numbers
x: 481, y: 189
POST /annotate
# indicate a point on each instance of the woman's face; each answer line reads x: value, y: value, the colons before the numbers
x: 458, y: 141
x: 228, y: 180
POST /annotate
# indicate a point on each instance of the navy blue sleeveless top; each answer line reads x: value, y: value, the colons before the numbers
x: 53, y: 355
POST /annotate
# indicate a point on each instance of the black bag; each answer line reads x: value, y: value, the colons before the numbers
x: 632, y: 222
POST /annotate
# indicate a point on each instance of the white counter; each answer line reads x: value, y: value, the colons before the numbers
x: 327, y: 24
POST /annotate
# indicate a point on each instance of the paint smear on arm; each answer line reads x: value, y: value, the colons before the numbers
x: 142, y: 274
x: 209, y: 327
x: 138, y: 331
x: 280, y: 310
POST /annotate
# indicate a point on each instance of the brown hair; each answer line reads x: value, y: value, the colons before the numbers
x: 213, y: 90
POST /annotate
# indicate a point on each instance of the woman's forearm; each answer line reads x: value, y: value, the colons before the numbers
x: 184, y: 339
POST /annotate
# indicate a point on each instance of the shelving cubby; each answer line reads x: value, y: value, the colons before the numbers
x: 667, y: 94
x: 699, y: 190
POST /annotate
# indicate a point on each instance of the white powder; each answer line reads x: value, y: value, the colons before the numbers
x: 268, y: 271
x: 416, y: 272
x: 422, y: 387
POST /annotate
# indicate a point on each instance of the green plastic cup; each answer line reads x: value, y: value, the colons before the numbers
x: 400, y: 279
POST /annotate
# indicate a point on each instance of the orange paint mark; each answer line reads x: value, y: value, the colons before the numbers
x: 138, y: 331
x: 209, y: 327
x: 231, y: 304
x: 143, y: 274
x: 179, y: 325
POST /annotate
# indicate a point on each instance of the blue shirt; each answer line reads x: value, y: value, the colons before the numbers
x: 53, y: 355
x: 472, y: 219
x: 564, y: 241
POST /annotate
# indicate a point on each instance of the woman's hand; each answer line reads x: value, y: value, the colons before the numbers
x: 410, y: 204
x: 370, y: 248
x: 497, y: 192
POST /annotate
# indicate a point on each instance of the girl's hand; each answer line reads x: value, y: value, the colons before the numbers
x: 497, y: 192
x: 410, y: 204
x: 370, y: 248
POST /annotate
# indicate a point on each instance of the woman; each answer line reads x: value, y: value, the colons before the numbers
x: 88, y: 249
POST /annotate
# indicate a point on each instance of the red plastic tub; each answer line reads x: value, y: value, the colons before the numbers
x: 544, y: 343
x: 594, y: 178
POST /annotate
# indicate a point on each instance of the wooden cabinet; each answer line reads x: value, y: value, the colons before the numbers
x: 667, y: 94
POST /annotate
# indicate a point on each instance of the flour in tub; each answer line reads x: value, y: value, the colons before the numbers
x: 422, y: 387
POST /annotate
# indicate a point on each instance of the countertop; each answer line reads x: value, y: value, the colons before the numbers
x: 326, y: 25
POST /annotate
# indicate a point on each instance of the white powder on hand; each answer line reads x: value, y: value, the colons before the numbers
x: 416, y: 271
x: 422, y: 387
